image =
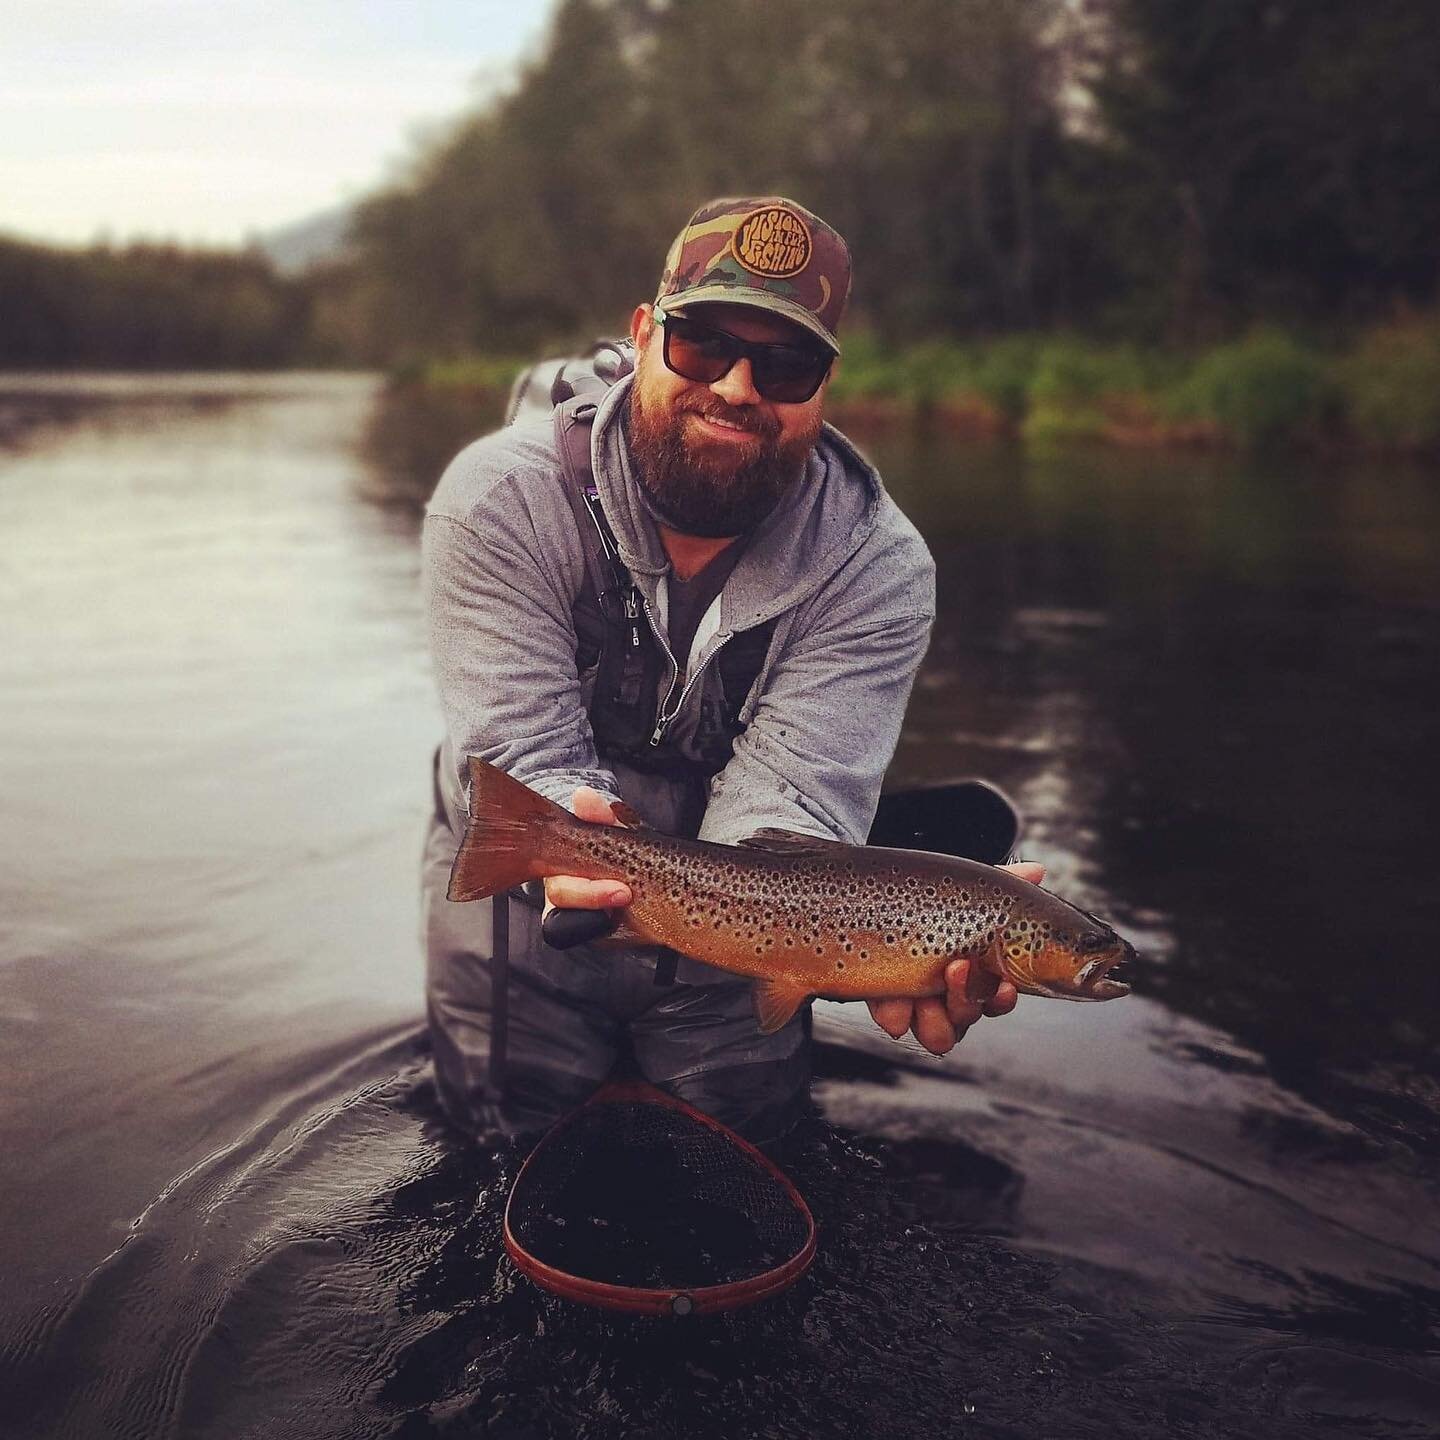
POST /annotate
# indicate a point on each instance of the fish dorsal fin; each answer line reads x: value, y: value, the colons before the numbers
x: 627, y: 817
x: 776, y: 1001
x: 786, y: 842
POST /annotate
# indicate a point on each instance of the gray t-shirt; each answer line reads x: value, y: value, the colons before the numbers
x: 690, y: 599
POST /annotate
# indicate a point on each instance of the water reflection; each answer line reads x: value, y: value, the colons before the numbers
x: 1211, y: 681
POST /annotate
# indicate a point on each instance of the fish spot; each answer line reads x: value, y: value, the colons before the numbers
x: 839, y: 964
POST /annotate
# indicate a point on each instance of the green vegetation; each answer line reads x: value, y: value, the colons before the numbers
x: 1259, y: 390
x: 1390, y: 386
x: 1265, y: 389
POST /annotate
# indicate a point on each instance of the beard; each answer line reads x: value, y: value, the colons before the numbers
x: 703, y: 490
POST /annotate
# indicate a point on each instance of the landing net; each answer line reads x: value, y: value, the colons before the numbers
x: 636, y: 1201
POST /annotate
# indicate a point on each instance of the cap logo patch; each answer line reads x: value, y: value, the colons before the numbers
x: 772, y: 241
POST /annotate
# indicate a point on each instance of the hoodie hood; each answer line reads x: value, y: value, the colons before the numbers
x: 815, y: 527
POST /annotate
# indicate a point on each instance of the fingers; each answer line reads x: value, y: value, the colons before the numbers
x: 570, y: 892
x: 1026, y: 870
x: 892, y: 1016
x: 932, y: 1027
x: 968, y: 989
x: 590, y: 805
x: 1004, y: 1000
x: 939, y: 1023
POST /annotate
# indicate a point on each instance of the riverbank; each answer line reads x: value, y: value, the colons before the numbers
x: 1267, y: 390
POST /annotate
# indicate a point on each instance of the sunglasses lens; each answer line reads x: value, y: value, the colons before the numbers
x: 697, y: 352
x: 787, y: 374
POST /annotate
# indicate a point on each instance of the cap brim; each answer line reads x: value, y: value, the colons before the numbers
x: 756, y: 300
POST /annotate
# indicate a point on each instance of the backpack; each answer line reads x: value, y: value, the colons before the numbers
x: 538, y: 390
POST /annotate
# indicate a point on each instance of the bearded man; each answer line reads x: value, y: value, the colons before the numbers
x: 715, y: 614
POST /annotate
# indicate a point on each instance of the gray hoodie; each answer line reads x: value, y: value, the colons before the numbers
x: 845, y: 575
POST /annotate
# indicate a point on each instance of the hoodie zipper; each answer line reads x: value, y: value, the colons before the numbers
x: 667, y: 712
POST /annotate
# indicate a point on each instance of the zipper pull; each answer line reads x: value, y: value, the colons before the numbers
x: 632, y: 614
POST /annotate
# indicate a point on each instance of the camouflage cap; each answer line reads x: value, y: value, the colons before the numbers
x: 767, y: 252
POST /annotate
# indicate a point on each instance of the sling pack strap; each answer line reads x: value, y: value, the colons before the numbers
x: 499, y: 992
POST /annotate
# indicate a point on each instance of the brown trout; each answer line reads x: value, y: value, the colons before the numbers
x: 804, y: 917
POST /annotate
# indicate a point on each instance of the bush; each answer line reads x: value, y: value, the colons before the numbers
x: 1259, y: 390
x: 936, y: 369
x: 1005, y: 374
x: 1390, y: 386
x: 868, y: 370
x: 1072, y: 385
x: 475, y: 372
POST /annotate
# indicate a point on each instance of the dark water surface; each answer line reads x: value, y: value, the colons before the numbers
x: 230, y: 1206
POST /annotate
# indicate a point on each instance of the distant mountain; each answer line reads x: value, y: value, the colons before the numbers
x: 297, y: 247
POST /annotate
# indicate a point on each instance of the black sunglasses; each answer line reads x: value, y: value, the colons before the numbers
x: 787, y: 374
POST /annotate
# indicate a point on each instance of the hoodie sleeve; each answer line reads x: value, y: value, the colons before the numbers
x: 502, y: 639
x: 828, y: 716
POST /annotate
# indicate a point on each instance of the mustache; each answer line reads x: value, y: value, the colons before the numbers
x: 747, y: 417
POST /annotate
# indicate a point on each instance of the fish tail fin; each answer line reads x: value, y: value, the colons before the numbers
x: 511, y: 836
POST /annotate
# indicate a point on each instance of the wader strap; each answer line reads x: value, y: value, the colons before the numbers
x: 573, y: 424
x: 665, y: 966
x: 499, y: 992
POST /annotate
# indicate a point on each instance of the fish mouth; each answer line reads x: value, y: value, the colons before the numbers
x: 1092, y: 981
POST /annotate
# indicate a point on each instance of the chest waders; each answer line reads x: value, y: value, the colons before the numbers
x: 638, y: 690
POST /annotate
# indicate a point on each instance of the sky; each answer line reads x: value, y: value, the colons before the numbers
x: 208, y: 121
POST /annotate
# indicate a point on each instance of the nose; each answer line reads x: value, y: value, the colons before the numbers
x: 737, y: 385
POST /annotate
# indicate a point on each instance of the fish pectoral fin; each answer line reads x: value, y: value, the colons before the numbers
x: 776, y: 1001
x: 786, y: 842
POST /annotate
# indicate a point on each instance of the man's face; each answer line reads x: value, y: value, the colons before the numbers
x: 715, y: 459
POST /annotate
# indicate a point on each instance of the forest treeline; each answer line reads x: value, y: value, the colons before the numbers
x: 1163, y: 170
x: 1168, y: 172
x: 147, y: 306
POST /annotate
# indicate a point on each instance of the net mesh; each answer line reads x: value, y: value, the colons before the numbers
x: 637, y: 1194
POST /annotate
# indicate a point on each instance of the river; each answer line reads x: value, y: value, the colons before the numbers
x: 232, y: 1208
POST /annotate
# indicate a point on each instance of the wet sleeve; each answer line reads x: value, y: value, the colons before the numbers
x: 828, y: 718
x: 502, y: 640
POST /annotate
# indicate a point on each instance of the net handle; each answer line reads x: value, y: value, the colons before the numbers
x: 638, y: 1300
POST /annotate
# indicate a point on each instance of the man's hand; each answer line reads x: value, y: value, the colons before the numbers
x: 569, y: 891
x: 971, y: 991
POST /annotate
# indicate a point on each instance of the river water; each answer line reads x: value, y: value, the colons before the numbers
x: 231, y: 1207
